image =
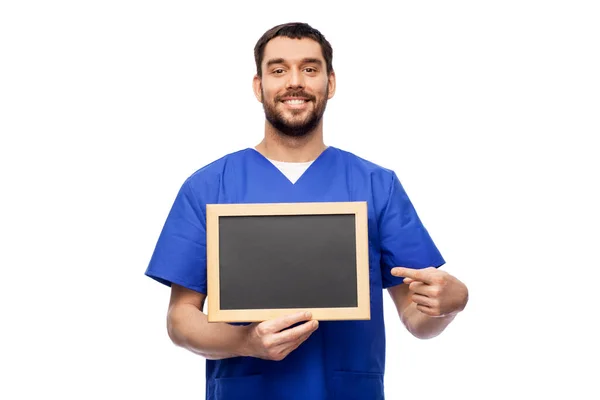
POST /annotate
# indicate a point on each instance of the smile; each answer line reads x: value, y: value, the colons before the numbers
x: 296, y: 103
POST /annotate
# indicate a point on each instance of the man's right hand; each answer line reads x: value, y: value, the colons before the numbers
x: 270, y: 340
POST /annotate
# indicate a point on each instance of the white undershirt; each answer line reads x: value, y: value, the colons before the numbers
x: 292, y: 170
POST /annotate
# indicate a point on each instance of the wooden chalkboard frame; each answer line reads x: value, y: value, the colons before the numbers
x: 357, y: 208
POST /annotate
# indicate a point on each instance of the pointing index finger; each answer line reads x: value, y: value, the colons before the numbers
x: 411, y: 273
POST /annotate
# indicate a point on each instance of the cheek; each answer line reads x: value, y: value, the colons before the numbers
x: 269, y: 95
x: 320, y: 88
x: 269, y: 90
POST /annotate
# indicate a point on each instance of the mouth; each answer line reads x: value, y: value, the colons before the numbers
x: 295, y: 102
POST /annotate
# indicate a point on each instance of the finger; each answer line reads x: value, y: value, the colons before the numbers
x: 295, y: 333
x: 422, y: 275
x: 281, y: 350
x: 432, y: 291
x: 423, y: 300
x: 284, y: 349
x: 419, y: 288
x: 295, y: 344
x: 302, y: 339
x: 279, y: 324
x: 408, y: 281
x: 299, y: 342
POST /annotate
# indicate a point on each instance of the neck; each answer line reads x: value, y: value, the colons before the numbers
x: 280, y: 147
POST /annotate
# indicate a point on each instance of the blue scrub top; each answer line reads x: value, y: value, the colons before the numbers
x: 341, y: 359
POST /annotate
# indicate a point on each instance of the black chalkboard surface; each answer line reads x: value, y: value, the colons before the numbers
x: 268, y: 260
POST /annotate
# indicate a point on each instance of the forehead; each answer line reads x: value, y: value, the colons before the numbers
x: 292, y: 50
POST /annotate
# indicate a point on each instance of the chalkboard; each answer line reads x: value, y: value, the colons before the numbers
x: 268, y: 260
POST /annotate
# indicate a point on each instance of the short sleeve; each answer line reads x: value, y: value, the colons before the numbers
x: 180, y: 253
x: 404, y: 240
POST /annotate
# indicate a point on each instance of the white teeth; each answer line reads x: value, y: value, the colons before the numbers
x: 294, y: 101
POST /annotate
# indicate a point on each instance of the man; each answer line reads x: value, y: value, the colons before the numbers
x: 295, y: 357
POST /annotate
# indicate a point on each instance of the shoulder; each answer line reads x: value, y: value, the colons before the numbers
x: 376, y: 173
x: 208, y: 177
x: 215, y: 168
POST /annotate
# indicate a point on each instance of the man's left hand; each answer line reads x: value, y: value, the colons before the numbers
x: 435, y: 292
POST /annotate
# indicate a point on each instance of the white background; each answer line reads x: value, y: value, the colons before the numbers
x: 486, y: 110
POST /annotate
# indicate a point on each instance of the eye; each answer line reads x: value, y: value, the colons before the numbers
x: 278, y: 71
x: 310, y: 70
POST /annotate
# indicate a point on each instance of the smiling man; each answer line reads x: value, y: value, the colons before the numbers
x: 296, y: 357
x: 294, y: 86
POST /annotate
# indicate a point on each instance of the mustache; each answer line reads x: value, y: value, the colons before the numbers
x: 297, y: 93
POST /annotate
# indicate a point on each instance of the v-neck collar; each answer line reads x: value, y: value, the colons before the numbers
x: 314, y: 165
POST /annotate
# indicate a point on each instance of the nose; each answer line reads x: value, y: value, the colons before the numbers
x: 296, y: 79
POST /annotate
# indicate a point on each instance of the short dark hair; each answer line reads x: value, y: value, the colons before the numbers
x: 293, y: 30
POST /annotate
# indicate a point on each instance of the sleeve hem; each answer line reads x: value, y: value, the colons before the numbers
x: 167, y: 281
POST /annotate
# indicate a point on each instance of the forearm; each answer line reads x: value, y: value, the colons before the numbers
x: 189, y: 328
x: 424, y: 326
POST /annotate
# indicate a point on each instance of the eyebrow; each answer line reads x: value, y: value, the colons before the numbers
x: 304, y: 61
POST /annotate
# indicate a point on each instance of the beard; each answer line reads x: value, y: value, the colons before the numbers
x: 294, y: 127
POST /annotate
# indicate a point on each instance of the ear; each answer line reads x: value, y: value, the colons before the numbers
x: 331, y: 84
x: 257, y: 87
